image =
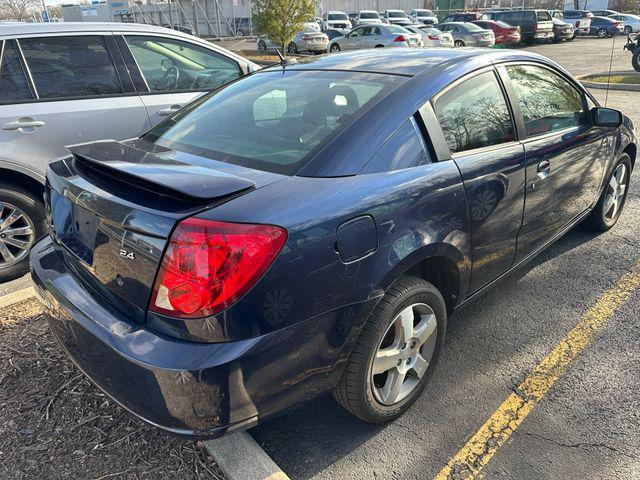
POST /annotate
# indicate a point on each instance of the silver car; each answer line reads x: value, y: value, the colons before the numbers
x: 631, y: 22
x: 69, y: 83
x: 307, y: 41
x: 467, y: 34
x: 432, y: 37
x: 375, y: 36
x: 366, y: 17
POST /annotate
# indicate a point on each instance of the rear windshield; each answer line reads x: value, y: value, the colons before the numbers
x: 369, y: 15
x: 273, y: 121
x: 338, y: 16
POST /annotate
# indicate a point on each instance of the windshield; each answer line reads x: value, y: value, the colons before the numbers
x: 272, y: 121
x: 396, y: 14
x: 424, y: 13
x: 369, y: 15
x: 338, y: 16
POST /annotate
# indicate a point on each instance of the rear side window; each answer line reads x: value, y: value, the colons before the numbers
x: 76, y: 66
x: 548, y: 101
x: 273, y: 120
x: 404, y: 149
x: 474, y: 114
x: 13, y: 81
x: 169, y: 64
x: 544, y: 16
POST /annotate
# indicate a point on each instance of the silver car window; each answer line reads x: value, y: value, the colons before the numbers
x: 74, y: 66
x: 13, y: 81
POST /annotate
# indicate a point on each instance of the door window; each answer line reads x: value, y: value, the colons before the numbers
x: 474, y: 114
x: 173, y: 65
x: 357, y: 32
x: 13, y: 81
x: 548, y: 101
x: 404, y: 149
x: 75, y: 66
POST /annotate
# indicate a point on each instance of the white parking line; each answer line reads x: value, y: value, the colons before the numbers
x: 16, y: 297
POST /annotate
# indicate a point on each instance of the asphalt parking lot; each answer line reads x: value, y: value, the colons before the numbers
x: 586, y: 426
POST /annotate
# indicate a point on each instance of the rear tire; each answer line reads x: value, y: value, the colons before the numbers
x: 605, y: 214
x: 262, y: 45
x: 292, y: 48
x: 334, y: 48
x: 627, y: 30
x: 14, y: 248
x: 458, y: 43
x: 371, y: 396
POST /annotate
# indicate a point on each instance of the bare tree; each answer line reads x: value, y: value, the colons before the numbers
x: 19, y: 10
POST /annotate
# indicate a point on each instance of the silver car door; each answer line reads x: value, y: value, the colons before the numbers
x: 79, y: 95
x: 352, y: 40
x: 171, y: 72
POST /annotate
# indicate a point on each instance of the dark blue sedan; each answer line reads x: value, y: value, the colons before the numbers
x: 604, y: 27
x: 311, y: 227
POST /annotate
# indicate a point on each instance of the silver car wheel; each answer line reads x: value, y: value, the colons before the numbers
x: 615, y: 192
x: 17, y: 235
x: 404, y: 354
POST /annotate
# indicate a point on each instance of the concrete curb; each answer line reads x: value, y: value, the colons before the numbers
x: 628, y: 87
x: 16, y: 297
x: 241, y: 458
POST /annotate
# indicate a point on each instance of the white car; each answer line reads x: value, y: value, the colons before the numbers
x: 395, y: 16
x: 367, y: 17
x: 375, y: 36
x: 432, y: 37
x: 426, y: 17
x: 335, y: 20
x: 311, y: 25
x: 631, y: 22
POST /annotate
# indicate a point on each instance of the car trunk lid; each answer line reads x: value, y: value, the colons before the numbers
x: 113, y: 206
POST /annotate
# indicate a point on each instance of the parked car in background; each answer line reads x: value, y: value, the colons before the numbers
x: 504, y: 33
x: 353, y: 18
x: 562, y: 30
x: 581, y: 20
x: 310, y: 41
x: 462, y: 17
x: 426, y: 17
x: 335, y: 19
x: 603, y: 27
x: 431, y: 36
x: 242, y: 26
x: 331, y: 34
x: 375, y: 36
x: 66, y: 83
x: 311, y: 24
x: 630, y: 22
x: 604, y: 13
x: 466, y: 34
x: 367, y: 17
x: 180, y: 28
x: 395, y: 17
x: 205, y: 280
x: 535, y: 25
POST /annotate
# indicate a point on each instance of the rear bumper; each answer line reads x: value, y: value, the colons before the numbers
x: 191, y: 389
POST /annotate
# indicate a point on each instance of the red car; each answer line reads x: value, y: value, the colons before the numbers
x: 503, y: 32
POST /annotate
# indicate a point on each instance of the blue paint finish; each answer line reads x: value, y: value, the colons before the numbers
x: 351, y: 235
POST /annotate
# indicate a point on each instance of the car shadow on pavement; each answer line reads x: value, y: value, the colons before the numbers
x: 311, y: 438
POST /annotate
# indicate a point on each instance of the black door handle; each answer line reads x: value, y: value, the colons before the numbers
x: 544, y: 169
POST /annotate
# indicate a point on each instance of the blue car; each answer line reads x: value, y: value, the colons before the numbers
x: 604, y: 27
x: 311, y: 227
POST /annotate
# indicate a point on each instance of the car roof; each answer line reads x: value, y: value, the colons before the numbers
x: 368, y: 11
x: 405, y: 61
x: 9, y: 29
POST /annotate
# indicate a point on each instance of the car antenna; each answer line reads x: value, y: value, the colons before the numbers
x: 283, y: 61
x: 606, y: 95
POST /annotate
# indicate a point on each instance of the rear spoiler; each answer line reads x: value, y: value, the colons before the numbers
x: 156, y: 171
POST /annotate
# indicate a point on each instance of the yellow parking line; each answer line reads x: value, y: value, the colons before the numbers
x: 470, y: 459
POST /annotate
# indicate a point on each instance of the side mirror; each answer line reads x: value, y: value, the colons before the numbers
x: 606, y: 117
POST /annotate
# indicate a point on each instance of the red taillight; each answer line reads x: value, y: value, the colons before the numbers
x: 399, y: 38
x: 432, y: 37
x: 209, y: 265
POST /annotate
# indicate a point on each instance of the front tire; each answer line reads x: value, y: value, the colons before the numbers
x: 458, y: 43
x: 22, y: 223
x: 635, y: 60
x: 627, y: 30
x: 292, y: 48
x: 602, y: 33
x: 396, y: 352
x: 609, y: 207
x: 334, y: 48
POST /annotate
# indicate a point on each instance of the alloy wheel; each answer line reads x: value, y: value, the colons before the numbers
x: 404, y: 354
x: 17, y: 235
x: 602, y: 33
x: 615, y: 192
